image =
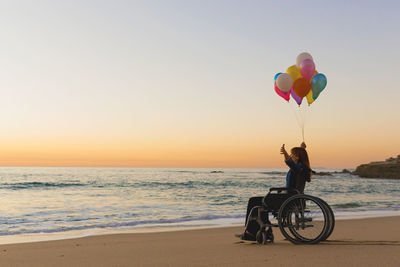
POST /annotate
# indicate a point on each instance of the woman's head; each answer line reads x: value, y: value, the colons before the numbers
x: 299, y: 154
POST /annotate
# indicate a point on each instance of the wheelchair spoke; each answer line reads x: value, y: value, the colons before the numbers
x: 303, y: 219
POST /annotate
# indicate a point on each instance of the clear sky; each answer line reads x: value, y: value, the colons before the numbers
x: 190, y: 83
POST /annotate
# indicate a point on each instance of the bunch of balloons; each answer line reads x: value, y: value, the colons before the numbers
x: 300, y: 80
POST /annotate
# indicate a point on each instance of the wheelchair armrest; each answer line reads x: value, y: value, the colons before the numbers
x: 280, y: 189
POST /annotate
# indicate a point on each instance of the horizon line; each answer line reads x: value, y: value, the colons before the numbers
x: 156, y: 167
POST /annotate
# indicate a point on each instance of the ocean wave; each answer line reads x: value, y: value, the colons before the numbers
x: 188, y: 184
x: 348, y: 205
x: 57, y: 200
x: 31, y: 185
x: 153, y: 184
x: 143, y: 184
x: 274, y: 173
x: 148, y: 223
x: 193, y: 184
x: 184, y: 171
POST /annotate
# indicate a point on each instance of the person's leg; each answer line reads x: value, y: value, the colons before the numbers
x: 253, y: 202
x: 251, y: 227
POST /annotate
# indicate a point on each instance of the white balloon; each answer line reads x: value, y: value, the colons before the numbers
x: 302, y: 57
x: 284, y: 82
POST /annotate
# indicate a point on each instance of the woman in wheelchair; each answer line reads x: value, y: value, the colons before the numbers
x: 296, y: 178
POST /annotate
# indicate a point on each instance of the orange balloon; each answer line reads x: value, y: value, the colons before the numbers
x: 301, y: 87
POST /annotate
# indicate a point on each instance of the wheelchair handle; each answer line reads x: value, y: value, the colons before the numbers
x: 280, y: 189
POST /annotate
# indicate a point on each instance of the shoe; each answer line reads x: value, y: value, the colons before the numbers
x: 246, y: 236
x: 239, y: 236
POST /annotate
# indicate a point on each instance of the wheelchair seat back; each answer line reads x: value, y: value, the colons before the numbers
x: 276, y: 196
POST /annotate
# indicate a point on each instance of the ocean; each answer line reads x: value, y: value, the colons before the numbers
x: 46, y: 200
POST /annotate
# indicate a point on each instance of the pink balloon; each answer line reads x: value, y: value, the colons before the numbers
x: 307, y: 68
x: 284, y: 95
x: 296, y: 98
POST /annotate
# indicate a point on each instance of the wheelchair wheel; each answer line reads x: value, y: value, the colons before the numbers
x: 303, y: 219
x: 263, y: 236
x: 331, y: 220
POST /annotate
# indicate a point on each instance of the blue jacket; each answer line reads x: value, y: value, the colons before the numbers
x: 297, y: 175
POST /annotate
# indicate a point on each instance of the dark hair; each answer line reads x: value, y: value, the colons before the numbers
x: 302, y: 154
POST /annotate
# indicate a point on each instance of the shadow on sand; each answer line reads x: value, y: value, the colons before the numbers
x: 343, y: 242
x: 361, y: 242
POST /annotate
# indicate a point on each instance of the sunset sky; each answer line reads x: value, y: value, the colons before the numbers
x: 190, y: 83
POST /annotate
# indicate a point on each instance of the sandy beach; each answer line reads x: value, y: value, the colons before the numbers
x: 360, y: 242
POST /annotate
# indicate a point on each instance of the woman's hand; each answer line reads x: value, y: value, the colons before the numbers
x: 285, y: 154
x: 283, y: 150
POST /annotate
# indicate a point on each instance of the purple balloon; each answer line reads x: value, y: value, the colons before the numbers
x: 296, y: 98
x: 307, y: 68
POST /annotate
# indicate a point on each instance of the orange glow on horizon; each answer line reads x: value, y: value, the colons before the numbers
x: 219, y: 154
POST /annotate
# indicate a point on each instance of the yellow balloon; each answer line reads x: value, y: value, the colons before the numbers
x: 294, y: 71
x: 309, y: 97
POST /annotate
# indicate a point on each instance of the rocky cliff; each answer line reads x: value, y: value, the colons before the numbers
x: 389, y: 168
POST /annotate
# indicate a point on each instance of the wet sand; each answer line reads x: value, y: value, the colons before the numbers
x: 361, y: 242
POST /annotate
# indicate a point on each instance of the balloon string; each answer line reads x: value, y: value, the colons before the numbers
x: 298, y: 119
x: 303, y: 113
x: 302, y: 121
x: 295, y: 115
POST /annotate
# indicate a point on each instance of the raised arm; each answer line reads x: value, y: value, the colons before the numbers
x: 289, y: 161
x: 284, y: 153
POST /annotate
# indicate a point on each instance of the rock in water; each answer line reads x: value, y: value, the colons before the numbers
x: 389, y: 168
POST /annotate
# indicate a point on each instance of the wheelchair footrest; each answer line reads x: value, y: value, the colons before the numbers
x: 299, y: 220
x: 271, y: 225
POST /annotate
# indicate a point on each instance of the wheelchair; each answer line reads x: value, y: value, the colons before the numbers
x: 302, y: 219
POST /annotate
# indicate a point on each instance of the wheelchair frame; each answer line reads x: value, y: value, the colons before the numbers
x: 288, y: 206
